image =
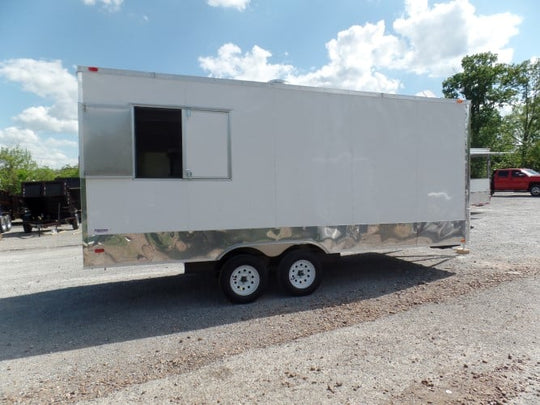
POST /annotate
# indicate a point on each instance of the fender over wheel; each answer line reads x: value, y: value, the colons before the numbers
x: 243, y: 278
x: 300, y: 272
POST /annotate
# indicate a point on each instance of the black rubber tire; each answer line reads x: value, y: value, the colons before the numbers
x: 9, y: 224
x: 3, y: 224
x: 243, y: 278
x: 27, y: 228
x: 300, y: 272
x: 535, y: 190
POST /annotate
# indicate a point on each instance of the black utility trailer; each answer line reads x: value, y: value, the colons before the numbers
x: 51, y: 203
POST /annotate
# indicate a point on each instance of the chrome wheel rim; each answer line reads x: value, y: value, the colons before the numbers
x: 244, y: 280
x: 302, y: 274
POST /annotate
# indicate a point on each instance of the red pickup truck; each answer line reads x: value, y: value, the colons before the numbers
x: 516, y: 180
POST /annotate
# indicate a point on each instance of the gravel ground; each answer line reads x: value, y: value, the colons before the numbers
x: 412, y: 326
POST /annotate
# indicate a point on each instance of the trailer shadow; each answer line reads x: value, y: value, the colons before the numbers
x: 23, y: 235
x: 94, y: 315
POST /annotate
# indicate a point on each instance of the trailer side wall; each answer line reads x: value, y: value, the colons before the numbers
x: 283, y: 160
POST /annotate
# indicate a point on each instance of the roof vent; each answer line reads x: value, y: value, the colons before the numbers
x: 277, y: 81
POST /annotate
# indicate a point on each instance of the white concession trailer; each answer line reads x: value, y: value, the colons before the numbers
x: 191, y: 169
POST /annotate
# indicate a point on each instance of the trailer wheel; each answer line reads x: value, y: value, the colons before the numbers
x: 300, y: 272
x: 535, y: 190
x: 243, y: 278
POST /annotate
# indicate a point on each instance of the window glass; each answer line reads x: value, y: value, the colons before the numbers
x: 106, y: 141
x: 158, y: 142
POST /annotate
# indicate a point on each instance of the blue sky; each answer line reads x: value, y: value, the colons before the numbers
x: 395, y: 46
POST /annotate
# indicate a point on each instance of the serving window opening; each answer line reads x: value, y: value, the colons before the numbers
x: 158, y: 142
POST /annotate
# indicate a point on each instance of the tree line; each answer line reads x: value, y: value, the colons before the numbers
x: 504, y: 116
x: 18, y: 166
x: 505, y: 107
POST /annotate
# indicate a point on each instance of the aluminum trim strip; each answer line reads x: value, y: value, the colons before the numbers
x: 195, y: 246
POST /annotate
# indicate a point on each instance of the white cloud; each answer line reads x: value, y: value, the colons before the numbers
x: 13, y: 136
x: 49, y: 152
x: 43, y: 119
x: 253, y: 65
x: 426, y: 93
x: 438, y: 37
x: 52, y: 82
x: 356, y: 56
x: 111, y: 6
x: 416, y: 6
x: 44, y: 78
x: 240, y: 5
x: 352, y: 56
x: 429, y: 40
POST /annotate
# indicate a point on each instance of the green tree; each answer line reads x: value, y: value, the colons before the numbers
x: 43, y: 173
x: 522, y: 126
x: 533, y: 156
x: 484, y: 83
x: 68, y: 171
x: 16, y: 166
x: 492, y: 88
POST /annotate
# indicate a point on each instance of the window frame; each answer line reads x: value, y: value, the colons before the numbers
x: 185, y: 171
